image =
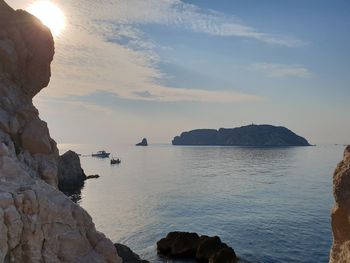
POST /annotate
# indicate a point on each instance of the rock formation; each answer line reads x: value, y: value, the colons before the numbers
x: 143, y: 142
x: 70, y: 174
x: 38, y: 223
x: 202, y: 248
x: 179, y: 245
x: 251, y: 135
x: 92, y: 176
x: 340, y: 252
x: 128, y: 255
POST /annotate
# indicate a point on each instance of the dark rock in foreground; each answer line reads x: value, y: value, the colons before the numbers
x: 128, y: 255
x: 251, y: 135
x: 71, y: 177
x: 179, y: 245
x: 202, y: 248
x: 224, y: 255
x: 70, y: 174
x: 143, y: 142
x: 208, y: 247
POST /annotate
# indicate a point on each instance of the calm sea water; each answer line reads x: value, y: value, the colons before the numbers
x: 269, y: 204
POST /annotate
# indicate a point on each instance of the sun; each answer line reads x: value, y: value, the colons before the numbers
x: 49, y: 14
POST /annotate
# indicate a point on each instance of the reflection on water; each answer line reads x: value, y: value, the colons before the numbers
x: 270, y: 204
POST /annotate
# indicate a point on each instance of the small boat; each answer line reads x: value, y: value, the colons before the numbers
x: 115, y: 161
x: 101, y: 154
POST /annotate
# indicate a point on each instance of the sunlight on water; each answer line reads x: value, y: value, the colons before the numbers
x: 270, y: 205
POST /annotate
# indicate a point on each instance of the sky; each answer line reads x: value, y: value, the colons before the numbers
x: 128, y: 69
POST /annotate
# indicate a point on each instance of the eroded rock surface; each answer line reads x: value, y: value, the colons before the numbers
x: 341, y: 211
x: 38, y: 223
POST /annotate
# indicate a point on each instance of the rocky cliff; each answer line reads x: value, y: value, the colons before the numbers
x: 341, y: 211
x: 38, y: 223
x: 251, y: 135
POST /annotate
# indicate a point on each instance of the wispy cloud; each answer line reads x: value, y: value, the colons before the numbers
x: 281, y: 70
x: 95, y: 64
x: 103, y: 48
x: 145, y: 94
x: 192, y: 95
x: 190, y: 17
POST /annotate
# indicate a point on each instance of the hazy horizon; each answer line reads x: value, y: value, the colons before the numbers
x: 124, y: 70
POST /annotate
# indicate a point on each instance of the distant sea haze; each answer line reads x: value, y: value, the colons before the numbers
x: 250, y: 135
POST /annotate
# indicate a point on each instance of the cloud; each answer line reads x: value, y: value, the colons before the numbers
x: 281, y: 70
x: 82, y: 68
x: 190, y: 17
x: 102, y: 48
x: 193, y: 95
x: 144, y: 94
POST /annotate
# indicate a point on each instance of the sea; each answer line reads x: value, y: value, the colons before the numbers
x: 269, y: 204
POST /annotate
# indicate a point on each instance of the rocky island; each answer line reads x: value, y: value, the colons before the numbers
x: 250, y: 135
x: 143, y: 142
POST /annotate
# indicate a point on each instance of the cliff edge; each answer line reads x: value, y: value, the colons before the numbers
x: 340, y: 252
x: 38, y: 223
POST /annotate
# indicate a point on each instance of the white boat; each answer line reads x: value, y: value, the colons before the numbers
x: 101, y: 154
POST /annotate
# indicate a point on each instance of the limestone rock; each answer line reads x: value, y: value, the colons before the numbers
x: 35, y: 137
x: 38, y: 223
x: 70, y: 174
x: 340, y: 252
x: 128, y: 255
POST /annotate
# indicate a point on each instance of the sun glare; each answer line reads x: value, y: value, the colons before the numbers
x: 49, y: 14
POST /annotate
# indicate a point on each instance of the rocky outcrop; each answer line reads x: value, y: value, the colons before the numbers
x: 202, y: 248
x: 38, y: 223
x: 340, y: 252
x: 143, y: 142
x: 251, y: 135
x: 92, y: 176
x: 128, y: 255
x: 179, y: 245
x: 70, y: 174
